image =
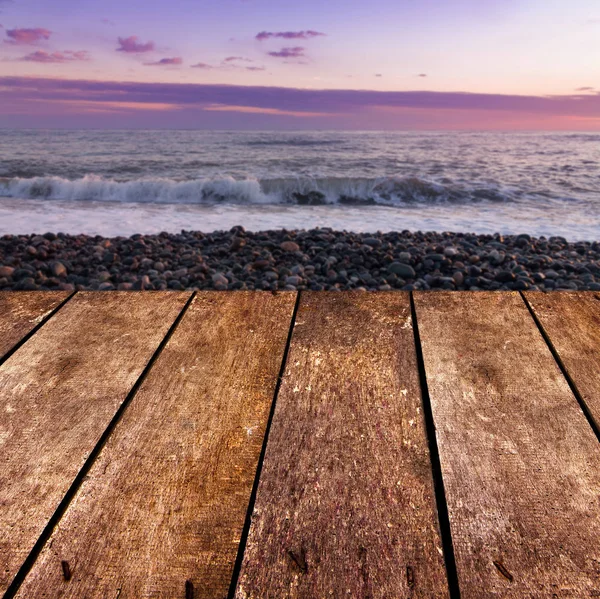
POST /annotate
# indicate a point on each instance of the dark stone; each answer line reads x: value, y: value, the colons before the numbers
x: 503, y: 276
x: 402, y: 270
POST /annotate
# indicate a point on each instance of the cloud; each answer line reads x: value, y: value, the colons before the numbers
x: 229, y: 63
x: 295, y: 52
x: 354, y: 104
x: 422, y: 75
x: 237, y: 59
x: 585, y: 89
x: 56, y: 57
x: 165, y: 62
x: 108, y: 22
x: 378, y: 75
x: 288, y: 35
x: 27, y: 36
x: 254, y: 110
x: 131, y: 45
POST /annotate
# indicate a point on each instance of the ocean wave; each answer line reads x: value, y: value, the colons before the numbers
x: 385, y: 191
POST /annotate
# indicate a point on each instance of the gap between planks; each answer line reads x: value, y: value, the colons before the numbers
x: 248, y: 521
x: 438, y: 480
x: 17, y: 581
x: 584, y: 407
x: 28, y: 334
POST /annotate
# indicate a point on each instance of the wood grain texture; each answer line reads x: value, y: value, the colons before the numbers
x: 166, y: 500
x: 520, y: 463
x: 345, y: 505
x: 22, y: 311
x: 58, y: 393
x: 572, y: 322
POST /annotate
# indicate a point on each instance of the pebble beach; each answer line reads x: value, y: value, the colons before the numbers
x: 317, y: 259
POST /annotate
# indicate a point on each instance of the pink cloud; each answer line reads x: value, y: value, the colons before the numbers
x: 422, y: 75
x: 295, y: 52
x: 131, y: 45
x: 166, y: 62
x: 378, y: 75
x: 255, y: 68
x: 584, y: 89
x: 27, y: 36
x: 201, y: 65
x: 288, y: 35
x: 56, y: 57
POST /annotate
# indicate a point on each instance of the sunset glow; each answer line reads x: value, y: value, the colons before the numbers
x: 454, y: 64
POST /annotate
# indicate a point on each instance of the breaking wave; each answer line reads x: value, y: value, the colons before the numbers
x: 385, y: 191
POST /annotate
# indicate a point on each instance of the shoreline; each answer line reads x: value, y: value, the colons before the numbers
x: 315, y: 259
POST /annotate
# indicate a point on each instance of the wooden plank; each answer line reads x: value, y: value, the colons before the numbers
x: 58, y: 393
x: 571, y: 320
x: 345, y: 505
x: 22, y: 311
x: 166, y: 500
x: 520, y: 463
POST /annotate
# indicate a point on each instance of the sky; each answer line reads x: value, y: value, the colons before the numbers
x: 315, y: 64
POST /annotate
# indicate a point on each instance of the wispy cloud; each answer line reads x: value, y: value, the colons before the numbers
x: 26, y: 37
x: 295, y: 52
x: 378, y: 75
x: 422, y: 75
x: 288, y: 35
x: 166, y: 62
x: 56, y: 57
x: 108, y: 22
x: 229, y: 63
x: 132, y: 45
x: 585, y: 89
x: 237, y: 59
x: 255, y: 110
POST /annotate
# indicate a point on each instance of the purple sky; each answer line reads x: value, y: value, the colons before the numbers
x: 344, y: 64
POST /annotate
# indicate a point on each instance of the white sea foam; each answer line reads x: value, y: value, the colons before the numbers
x: 386, y: 191
x: 149, y: 190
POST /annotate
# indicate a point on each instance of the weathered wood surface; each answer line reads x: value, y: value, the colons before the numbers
x: 521, y: 465
x: 21, y: 312
x: 166, y: 500
x: 571, y: 320
x: 345, y: 505
x: 58, y: 393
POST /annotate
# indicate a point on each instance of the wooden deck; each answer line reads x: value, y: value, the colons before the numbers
x: 308, y: 446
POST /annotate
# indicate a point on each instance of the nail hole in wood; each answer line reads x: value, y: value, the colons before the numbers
x: 503, y: 570
x: 410, y: 577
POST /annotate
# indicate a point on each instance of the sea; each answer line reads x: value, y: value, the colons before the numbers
x: 115, y: 183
